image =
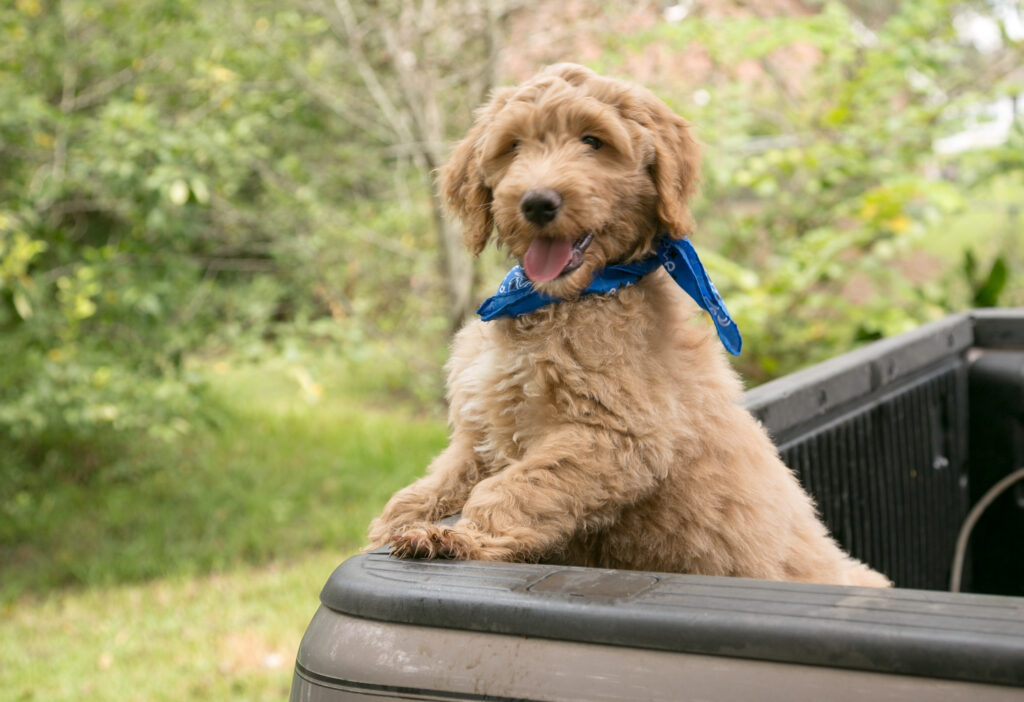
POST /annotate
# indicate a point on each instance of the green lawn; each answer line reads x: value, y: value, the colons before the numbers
x: 226, y: 636
x: 191, y: 570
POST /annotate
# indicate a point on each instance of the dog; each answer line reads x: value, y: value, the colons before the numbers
x: 600, y: 428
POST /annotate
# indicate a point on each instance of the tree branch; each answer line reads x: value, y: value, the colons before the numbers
x: 97, y: 92
x: 354, y: 38
x: 339, y: 107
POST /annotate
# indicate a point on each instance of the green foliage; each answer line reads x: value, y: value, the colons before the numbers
x: 822, y: 186
x: 986, y: 288
x: 95, y: 236
x: 169, y: 186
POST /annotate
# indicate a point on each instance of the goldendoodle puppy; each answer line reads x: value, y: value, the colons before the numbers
x: 594, y: 420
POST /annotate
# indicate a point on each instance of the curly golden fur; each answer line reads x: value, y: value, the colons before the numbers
x: 603, y: 430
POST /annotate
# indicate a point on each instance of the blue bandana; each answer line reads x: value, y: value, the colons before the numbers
x: 517, y: 297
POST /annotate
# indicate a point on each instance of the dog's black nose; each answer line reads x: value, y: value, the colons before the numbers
x: 540, y: 206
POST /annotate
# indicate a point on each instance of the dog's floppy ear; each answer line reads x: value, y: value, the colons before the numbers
x: 462, y: 181
x: 465, y: 194
x: 676, y: 168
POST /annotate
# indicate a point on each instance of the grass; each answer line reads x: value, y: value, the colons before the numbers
x: 190, y: 571
x: 228, y: 636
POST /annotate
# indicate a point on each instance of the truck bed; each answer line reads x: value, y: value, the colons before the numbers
x: 896, y: 441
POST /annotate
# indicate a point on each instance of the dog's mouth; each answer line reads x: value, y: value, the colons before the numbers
x: 547, y: 259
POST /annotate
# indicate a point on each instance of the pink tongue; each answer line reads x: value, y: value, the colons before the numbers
x: 546, y: 258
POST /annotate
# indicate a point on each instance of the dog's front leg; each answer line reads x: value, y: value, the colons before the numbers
x: 575, y: 480
x: 440, y: 493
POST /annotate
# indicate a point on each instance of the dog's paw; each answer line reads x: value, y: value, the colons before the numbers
x: 408, y: 507
x: 432, y: 541
x: 381, y: 532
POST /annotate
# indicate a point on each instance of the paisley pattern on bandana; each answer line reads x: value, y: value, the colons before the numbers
x: 516, y: 296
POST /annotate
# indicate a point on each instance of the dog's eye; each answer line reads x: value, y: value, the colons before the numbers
x: 513, y: 146
x: 593, y: 142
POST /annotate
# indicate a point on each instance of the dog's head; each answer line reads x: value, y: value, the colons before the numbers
x: 575, y: 171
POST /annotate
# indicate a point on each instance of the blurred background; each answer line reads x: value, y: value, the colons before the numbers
x: 227, y: 287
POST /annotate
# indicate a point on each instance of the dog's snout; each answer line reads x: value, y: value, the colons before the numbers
x: 540, y: 206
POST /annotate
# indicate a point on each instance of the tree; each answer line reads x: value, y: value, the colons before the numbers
x: 423, y: 67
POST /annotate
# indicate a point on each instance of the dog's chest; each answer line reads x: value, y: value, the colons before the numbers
x: 510, y: 396
x: 501, y: 400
